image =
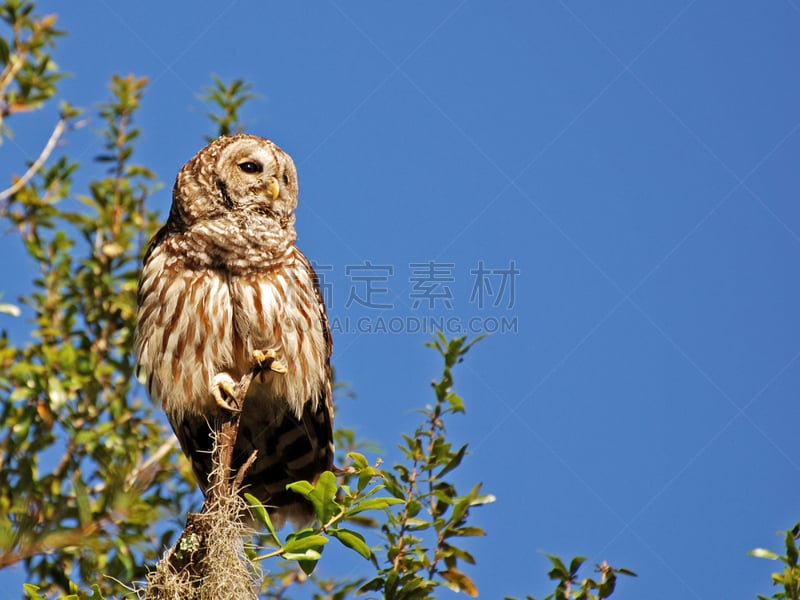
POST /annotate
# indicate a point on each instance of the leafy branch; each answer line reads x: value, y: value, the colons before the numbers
x: 228, y: 98
x: 28, y: 78
x: 569, y: 586
x: 67, y: 391
x: 429, y: 506
x: 789, y: 577
x: 331, y: 509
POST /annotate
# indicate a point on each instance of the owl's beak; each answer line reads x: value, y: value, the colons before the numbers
x: 273, y: 188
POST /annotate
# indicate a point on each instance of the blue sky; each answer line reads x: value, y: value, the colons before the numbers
x: 636, y: 163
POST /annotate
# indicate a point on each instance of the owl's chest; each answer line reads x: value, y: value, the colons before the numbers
x: 273, y: 310
x: 279, y: 310
x: 194, y: 325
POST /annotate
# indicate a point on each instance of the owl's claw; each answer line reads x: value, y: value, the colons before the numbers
x: 268, y: 361
x: 223, y: 389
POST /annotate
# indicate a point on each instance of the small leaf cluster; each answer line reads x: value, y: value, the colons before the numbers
x: 228, y: 98
x: 29, y: 75
x: 33, y: 592
x: 569, y: 586
x: 789, y: 577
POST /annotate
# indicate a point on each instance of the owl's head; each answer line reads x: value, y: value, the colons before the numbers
x: 246, y: 175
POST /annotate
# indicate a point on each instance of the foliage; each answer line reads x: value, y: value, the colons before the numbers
x: 588, y: 588
x: 430, y: 503
x: 422, y: 508
x: 29, y: 75
x: 228, y: 98
x: 333, y: 506
x: 91, y: 481
x: 789, y: 577
x: 86, y: 472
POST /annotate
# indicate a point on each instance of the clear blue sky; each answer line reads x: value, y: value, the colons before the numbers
x: 636, y: 163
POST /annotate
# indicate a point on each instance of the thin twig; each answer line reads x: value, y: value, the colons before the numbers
x: 58, y: 130
x: 15, y: 63
x: 159, y: 454
x: 237, y: 482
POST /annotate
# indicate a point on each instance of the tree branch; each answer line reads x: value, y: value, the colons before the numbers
x: 13, y: 67
x: 154, y: 458
x: 206, y: 551
x: 58, y: 130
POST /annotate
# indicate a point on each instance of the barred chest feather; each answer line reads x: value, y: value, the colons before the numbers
x: 195, y: 323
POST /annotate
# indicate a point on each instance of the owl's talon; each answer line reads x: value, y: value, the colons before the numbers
x: 268, y: 361
x: 223, y: 387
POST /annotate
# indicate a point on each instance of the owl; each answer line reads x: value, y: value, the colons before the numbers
x: 223, y: 285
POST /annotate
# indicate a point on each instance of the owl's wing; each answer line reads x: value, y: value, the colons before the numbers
x: 323, y: 312
x: 324, y: 420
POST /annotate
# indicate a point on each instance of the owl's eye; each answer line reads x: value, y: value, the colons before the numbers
x: 286, y: 179
x: 250, y: 167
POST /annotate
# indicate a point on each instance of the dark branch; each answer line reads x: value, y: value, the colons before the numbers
x: 187, y: 563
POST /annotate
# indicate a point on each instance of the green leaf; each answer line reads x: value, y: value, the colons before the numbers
x: 82, y: 500
x: 466, y: 531
x: 791, y: 549
x: 471, y: 499
x: 56, y: 392
x: 559, y: 571
x: 33, y: 591
x: 481, y: 500
x: 303, y: 487
x: 764, y: 553
x: 298, y: 545
x: 417, y: 524
x: 373, y: 585
x: 359, y: 460
x: 352, y: 539
x: 322, y: 495
x: 606, y: 588
x: 307, y: 560
x: 257, y: 508
x: 373, y: 504
x: 96, y: 593
x: 454, y: 462
x: 5, y: 54
x: 456, y: 403
x: 466, y: 348
x: 262, y: 516
x: 575, y: 564
x: 307, y: 554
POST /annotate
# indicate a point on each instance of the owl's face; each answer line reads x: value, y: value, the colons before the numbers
x: 242, y: 175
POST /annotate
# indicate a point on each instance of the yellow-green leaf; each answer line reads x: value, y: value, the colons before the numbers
x: 353, y: 540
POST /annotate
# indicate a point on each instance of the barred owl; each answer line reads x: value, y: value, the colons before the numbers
x: 223, y: 282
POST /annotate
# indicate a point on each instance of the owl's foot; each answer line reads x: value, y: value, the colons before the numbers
x: 267, y: 360
x: 223, y: 389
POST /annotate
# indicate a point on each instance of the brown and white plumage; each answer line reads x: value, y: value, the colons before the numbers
x: 222, y: 280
